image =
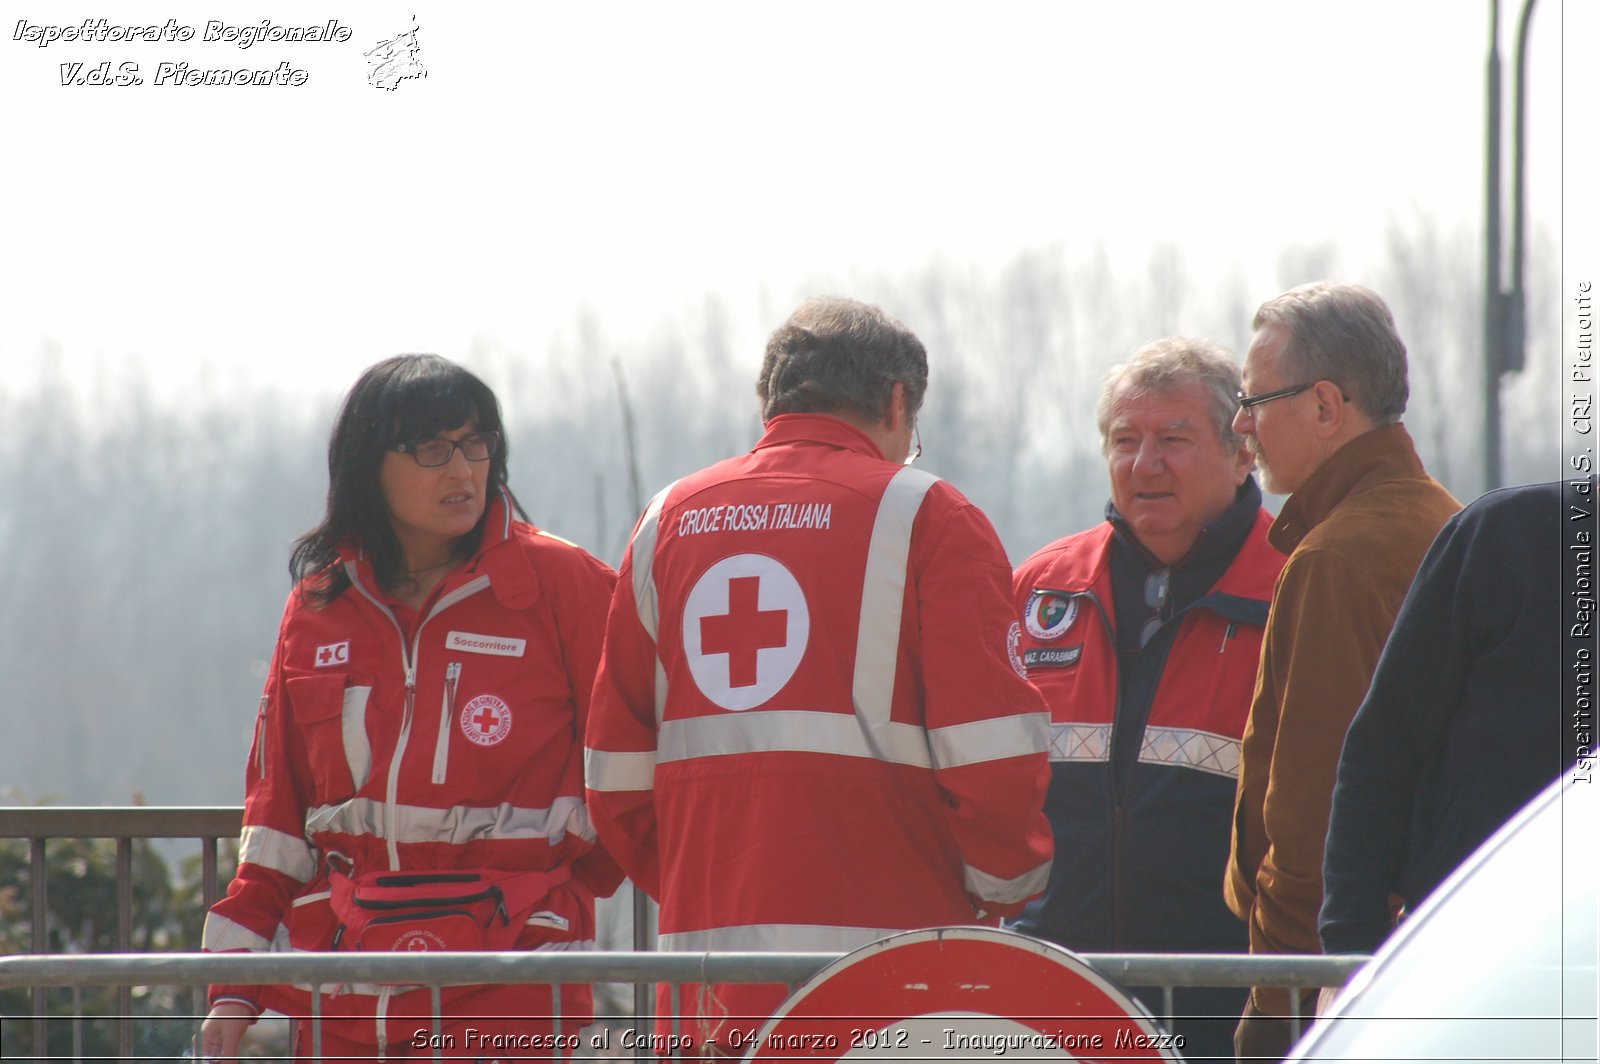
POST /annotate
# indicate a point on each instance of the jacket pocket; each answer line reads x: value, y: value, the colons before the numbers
x: 447, y: 712
x: 332, y: 721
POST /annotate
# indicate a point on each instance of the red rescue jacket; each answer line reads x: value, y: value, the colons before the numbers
x: 806, y: 731
x: 454, y: 745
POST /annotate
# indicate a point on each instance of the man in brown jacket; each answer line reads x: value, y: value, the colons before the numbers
x: 1325, y: 384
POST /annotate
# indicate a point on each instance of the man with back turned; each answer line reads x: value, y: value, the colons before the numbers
x: 808, y: 732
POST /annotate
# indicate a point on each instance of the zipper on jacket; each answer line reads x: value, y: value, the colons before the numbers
x: 261, y: 738
x: 1233, y: 626
x: 1118, y: 820
x: 447, y: 713
x: 391, y: 797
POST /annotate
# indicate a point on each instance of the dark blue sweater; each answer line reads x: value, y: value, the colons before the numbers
x: 1463, y: 721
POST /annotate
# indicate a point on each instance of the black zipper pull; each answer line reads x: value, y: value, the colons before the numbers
x: 500, y: 906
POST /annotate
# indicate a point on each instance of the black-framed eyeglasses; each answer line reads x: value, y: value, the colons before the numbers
x: 916, y: 450
x: 478, y: 447
x: 1248, y: 401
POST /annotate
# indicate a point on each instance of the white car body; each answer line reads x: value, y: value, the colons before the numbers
x: 1499, y: 963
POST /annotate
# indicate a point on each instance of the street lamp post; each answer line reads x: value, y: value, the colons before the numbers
x: 1504, y: 327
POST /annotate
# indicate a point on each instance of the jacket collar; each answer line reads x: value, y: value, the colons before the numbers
x: 1383, y: 454
x: 496, y: 530
x: 1216, y: 545
x: 825, y: 429
x: 510, y: 573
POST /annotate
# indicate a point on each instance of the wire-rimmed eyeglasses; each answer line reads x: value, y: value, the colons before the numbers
x: 916, y: 449
x: 1246, y: 402
x: 478, y: 447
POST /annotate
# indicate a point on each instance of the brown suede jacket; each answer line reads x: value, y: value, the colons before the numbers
x: 1355, y: 534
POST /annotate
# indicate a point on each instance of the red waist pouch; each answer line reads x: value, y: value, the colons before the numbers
x: 458, y: 910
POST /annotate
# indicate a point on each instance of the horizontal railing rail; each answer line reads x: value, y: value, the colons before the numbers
x: 437, y: 970
x: 210, y: 825
x: 600, y: 966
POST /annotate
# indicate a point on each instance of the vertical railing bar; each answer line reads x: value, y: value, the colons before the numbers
x: 643, y: 993
x: 208, y: 872
x: 77, y: 1023
x: 1167, y: 1006
x: 436, y: 1000
x: 316, y: 1023
x: 555, y: 1010
x: 198, y: 996
x: 39, y: 936
x: 676, y: 1002
x: 125, y: 943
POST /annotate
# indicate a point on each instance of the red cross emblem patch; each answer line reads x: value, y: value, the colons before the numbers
x: 486, y: 720
x: 745, y: 628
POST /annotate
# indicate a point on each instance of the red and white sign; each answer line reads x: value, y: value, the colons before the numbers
x: 959, y: 993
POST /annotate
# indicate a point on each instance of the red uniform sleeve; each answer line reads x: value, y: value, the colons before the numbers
x: 580, y: 601
x: 987, y: 726
x: 620, y: 744
x: 274, y: 858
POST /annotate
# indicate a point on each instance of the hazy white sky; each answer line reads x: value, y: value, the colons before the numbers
x: 630, y: 156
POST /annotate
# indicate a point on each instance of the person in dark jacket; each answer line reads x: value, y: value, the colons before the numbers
x: 1463, y: 723
x: 1144, y: 635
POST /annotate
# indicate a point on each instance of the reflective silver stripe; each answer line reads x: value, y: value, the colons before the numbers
x: 610, y: 770
x: 644, y: 556
x: 353, y: 725
x: 1080, y: 742
x: 784, y: 730
x: 222, y: 934
x: 883, y: 594
x: 279, y: 851
x: 578, y: 822
x: 788, y: 938
x: 1006, y: 891
x: 661, y: 690
x: 373, y: 990
x: 454, y: 826
x: 644, y: 584
x: 990, y: 740
x: 1191, y: 748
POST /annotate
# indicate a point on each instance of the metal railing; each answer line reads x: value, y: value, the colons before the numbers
x: 434, y: 971
x: 126, y: 824
x: 125, y: 970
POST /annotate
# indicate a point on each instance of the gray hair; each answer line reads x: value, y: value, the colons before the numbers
x: 1342, y: 333
x: 838, y: 355
x: 1170, y: 365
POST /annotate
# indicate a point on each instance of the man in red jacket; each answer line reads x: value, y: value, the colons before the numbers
x: 1144, y: 634
x: 811, y: 728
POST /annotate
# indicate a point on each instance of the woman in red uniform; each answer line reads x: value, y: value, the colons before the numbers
x: 416, y: 776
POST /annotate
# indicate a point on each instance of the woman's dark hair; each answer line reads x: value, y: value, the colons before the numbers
x: 404, y: 399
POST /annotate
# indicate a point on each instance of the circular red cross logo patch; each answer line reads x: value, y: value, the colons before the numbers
x: 486, y: 720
